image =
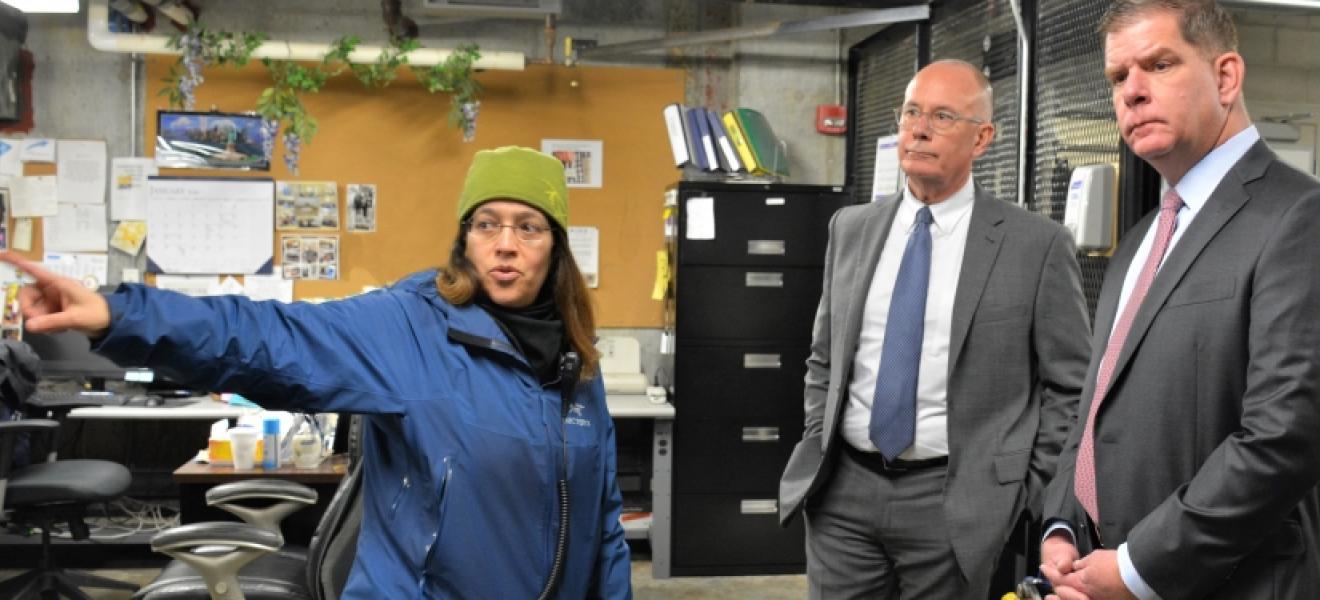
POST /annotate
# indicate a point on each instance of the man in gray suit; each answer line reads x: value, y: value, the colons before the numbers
x: 1194, y: 471
x: 948, y: 352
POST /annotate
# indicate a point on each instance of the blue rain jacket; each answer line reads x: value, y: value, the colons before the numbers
x: 463, y: 447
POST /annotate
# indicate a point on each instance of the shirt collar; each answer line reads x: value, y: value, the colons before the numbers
x: 1195, y: 187
x: 945, y: 215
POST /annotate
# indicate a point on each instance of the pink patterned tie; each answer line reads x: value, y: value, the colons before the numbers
x: 1084, y: 478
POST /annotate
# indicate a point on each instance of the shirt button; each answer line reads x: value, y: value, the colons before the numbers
x: 407, y: 482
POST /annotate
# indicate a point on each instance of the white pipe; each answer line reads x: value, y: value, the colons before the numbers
x: 101, y: 38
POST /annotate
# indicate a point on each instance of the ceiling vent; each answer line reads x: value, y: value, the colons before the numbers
x: 509, y: 9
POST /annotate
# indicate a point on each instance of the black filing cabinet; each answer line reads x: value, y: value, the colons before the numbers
x: 747, y: 279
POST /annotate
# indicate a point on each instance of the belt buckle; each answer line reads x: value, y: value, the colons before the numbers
x: 893, y: 466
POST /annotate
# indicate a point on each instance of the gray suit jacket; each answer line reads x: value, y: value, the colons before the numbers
x: 1017, y: 355
x: 1208, y: 440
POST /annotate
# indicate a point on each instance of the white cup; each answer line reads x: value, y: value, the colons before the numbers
x: 243, y: 445
x: 306, y: 451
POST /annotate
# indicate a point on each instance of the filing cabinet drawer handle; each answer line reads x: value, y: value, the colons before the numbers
x: 767, y: 280
x: 766, y: 247
x: 762, y: 361
x: 774, y: 201
x: 760, y: 434
x: 759, y: 507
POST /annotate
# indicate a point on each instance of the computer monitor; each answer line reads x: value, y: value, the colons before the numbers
x: 68, y: 355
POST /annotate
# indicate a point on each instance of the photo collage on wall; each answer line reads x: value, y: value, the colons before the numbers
x: 306, y: 206
x: 309, y: 257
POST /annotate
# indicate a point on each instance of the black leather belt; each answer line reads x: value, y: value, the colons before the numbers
x: 876, y: 462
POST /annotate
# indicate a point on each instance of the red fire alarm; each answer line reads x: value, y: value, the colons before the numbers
x: 831, y: 119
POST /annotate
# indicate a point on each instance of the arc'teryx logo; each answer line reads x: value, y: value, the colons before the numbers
x: 575, y: 415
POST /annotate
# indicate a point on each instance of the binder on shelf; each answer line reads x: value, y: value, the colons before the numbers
x: 760, y: 138
x: 729, y: 160
x: 678, y: 143
x: 740, y: 143
x: 695, y: 124
x: 701, y: 135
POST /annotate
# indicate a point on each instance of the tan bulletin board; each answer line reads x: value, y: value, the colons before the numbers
x: 399, y: 139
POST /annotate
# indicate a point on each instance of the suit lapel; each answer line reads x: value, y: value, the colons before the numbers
x: 983, y: 244
x: 872, y: 233
x: 1227, y: 199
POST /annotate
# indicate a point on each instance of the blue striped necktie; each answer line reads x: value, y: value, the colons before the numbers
x: 894, y: 409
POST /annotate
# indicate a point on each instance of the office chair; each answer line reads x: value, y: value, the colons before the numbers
x: 45, y: 493
x: 234, y: 561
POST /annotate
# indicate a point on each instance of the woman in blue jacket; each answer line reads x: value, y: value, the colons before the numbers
x: 479, y: 430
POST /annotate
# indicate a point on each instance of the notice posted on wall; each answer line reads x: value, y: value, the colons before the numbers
x: 309, y: 257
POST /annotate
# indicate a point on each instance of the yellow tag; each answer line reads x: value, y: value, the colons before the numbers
x: 661, y: 275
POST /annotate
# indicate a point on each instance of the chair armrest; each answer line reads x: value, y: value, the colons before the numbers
x: 10, y: 430
x: 45, y: 426
x: 193, y: 535
x: 261, y: 489
x: 285, y: 497
x: 229, y: 547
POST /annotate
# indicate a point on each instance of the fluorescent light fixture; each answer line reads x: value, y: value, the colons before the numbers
x: 44, y: 6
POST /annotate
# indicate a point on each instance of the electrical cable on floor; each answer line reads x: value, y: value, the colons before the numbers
x: 132, y: 517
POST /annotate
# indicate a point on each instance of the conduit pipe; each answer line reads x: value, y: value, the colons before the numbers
x: 101, y: 38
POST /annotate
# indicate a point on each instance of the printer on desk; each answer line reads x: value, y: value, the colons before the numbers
x: 621, y: 369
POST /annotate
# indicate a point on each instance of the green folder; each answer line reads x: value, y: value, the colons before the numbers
x: 769, y: 154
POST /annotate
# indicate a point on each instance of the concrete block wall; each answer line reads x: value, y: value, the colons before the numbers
x: 1282, y: 52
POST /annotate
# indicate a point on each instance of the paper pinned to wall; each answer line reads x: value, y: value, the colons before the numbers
x: 585, y: 244
x: 887, y: 173
x: 33, y: 196
x: 37, y: 150
x: 128, y: 237
x: 80, y: 170
x: 22, y: 234
x: 192, y: 285
x: 269, y: 287
x: 200, y: 226
x: 701, y: 218
x: 76, y: 228
x: 10, y: 163
x: 128, y: 188
x: 230, y: 287
x: 90, y: 269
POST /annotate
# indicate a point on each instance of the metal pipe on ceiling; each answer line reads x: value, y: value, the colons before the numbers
x: 864, y: 18
x: 101, y: 38
x: 1311, y: 5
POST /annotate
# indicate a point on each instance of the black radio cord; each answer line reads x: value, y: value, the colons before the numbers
x: 570, y: 368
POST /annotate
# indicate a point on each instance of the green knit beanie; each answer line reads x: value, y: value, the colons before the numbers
x: 515, y: 173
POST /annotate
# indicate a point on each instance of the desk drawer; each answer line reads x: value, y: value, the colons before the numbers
x: 745, y: 455
x: 728, y: 303
x: 750, y: 380
x: 735, y: 534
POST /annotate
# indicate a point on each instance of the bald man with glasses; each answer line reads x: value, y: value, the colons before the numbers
x: 946, y: 362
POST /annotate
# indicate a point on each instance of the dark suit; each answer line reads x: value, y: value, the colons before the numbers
x: 1208, y: 440
x: 1017, y: 355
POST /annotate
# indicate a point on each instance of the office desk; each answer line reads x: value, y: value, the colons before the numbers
x: 203, y: 409
x: 638, y: 406
x: 195, y: 478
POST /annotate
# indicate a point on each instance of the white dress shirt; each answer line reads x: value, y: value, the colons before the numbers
x: 1195, y: 189
x: 948, y: 237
